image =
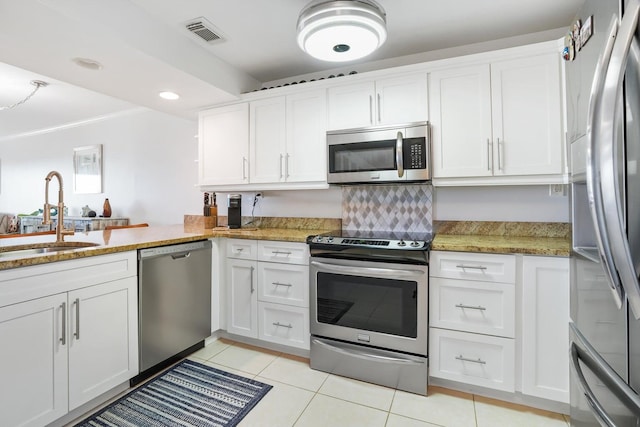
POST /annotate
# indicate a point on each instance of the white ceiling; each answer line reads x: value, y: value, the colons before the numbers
x: 144, y: 49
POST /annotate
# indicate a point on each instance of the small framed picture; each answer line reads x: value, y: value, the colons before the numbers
x: 87, y: 169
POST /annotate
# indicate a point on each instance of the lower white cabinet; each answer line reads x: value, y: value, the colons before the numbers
x: 69, y: 333
x: 545, y: 327
x: 481, y: 360
x: 268, y: 291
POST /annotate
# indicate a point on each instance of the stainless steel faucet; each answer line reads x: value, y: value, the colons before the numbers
x: 46, y: 216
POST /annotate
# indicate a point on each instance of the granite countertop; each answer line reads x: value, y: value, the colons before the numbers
x: 552, y: 239
x: 126, y: 239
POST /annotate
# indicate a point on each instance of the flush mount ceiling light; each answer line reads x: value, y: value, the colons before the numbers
x: 341, y: 30
x: 37, y: 83
x: 88, y: 63
x: 171, y: 96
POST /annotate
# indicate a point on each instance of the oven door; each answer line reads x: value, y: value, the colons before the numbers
x: 381, y: 305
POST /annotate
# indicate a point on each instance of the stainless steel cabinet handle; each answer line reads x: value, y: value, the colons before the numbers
x: 370, y: 109
x: 471, y: 267
x: 499, y: 155
x: 282, y: 324
x: 277, y: 252
x: 281, y: 157
x: 251, y: 281
x: 489, y: 154
x: 288, y: 285
x: 379, y: 108
x: 244, y: 169
x: 77, y: 332
x: 471, y: 307
x: 465, y: 359
x: 63, y: 310
x: 399, y: 158
x: 286, y: 166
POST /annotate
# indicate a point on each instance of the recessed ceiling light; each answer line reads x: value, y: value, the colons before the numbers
x: 91, y: 64
x: 171, y: 96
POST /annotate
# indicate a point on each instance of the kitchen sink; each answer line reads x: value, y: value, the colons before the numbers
x: 41, y: 248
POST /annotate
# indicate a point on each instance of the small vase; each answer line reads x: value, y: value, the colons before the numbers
x: 106, y: 209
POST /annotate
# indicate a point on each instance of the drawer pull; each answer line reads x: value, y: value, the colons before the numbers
x: 282, y: 324
x: 471, y: 307
x: 239, y: 250
x: 464, y: 359
x: 276, y: 253
x: 288, y: 285
x: 471, y: 267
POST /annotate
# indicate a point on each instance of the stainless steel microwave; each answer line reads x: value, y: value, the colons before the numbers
x: 378, y: 154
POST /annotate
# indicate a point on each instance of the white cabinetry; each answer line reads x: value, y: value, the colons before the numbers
x: 223, y: 145
x: 545, y: 327
x: 269, y: 291
x: 69, y: 332
x: 287, y: 139
x: 472, y: 318
x: 498, y: 122
x: 392, y: 100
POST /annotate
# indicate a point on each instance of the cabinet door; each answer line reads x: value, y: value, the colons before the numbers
x: 33, y: 362
x: 402, y: 99
x: 460, y: 109
x: 243, y: 297
x: 545, y: 327
x: 351, y: 106
x: 306, y: 157
x: 267, y: 148
x: 103, y: 338
x: 223, y: 144
x: 527, y: 116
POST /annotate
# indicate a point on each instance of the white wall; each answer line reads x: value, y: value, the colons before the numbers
x: 149, y: 169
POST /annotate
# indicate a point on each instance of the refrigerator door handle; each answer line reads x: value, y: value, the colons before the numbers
x: 581, y: 350
x: 608, y: 111
x: 594, y: 186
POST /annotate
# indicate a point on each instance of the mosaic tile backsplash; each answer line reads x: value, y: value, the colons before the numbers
x: 393, y: 207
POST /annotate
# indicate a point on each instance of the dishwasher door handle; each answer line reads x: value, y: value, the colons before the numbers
x: 181, y: 255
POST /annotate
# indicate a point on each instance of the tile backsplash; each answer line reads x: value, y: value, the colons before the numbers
x: 392, y: 207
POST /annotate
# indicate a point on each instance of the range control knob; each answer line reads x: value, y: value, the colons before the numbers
x: 415, y: 244
x: 402, y: 243
x: 319, y: 239
x: 330, y: 239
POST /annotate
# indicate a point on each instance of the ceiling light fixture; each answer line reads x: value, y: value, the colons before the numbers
x: 341, y: 30
x: 37, y: 83
x: 171, y: 96
x: 88, y: 63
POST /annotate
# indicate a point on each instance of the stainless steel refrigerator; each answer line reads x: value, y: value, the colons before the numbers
x: 603, y: 118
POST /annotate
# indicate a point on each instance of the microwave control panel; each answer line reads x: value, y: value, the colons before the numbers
x: 414, y: 153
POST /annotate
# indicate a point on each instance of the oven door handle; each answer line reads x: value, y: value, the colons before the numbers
x: 366, y: 354
x: 386, y: 272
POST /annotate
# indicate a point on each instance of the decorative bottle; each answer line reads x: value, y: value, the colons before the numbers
x: 106, y: 209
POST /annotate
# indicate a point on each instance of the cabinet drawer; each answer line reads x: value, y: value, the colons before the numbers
x: 464, y: 305
x: 288, y: 252
x: 471, y: 266
x: 242, y: 249
x: 283, y: 283
x: 284, y: 324
x: 472, y: 359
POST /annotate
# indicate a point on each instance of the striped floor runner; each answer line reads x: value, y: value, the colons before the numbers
x: 189, y: 394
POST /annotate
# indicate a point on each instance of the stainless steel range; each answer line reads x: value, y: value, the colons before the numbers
x: 369, y: 307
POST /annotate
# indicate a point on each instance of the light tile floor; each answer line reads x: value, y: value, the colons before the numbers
x: 303, y: 397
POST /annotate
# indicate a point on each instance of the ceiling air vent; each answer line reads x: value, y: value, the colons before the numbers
x: 204, y: 30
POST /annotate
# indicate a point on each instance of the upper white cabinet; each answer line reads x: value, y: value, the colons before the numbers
x: 287, y: 139
x: 391, y: 100
x: 499, y: 119
x: 223, y: 145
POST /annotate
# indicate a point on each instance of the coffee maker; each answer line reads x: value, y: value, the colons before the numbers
x: 234, y: 210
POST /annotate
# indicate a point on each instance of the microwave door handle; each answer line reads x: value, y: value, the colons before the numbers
x: 399, y: 159
x: 608, y: 111
x: 594, y: 187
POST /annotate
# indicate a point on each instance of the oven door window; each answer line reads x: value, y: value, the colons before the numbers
x: 368, y: 303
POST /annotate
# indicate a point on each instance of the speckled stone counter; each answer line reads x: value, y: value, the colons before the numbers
x: 120, y: 240
x: 532, y: 238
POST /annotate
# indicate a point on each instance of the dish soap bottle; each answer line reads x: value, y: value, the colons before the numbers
x: 106, y: 209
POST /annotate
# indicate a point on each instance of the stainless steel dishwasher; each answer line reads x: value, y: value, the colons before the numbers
x: 174, y: 303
